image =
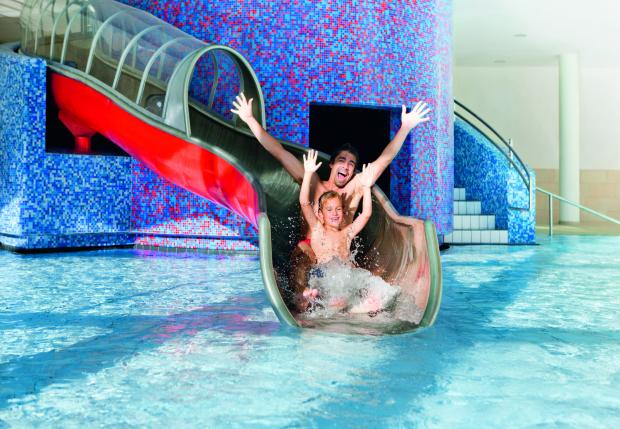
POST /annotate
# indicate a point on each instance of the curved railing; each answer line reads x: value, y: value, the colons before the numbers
x: 151, y: 63
x: 503, y: 145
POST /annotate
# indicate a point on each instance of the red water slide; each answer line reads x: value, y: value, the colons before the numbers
x: 85, y: 111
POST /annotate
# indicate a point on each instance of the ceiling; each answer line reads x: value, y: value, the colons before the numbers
x: 508, y: 32
x: 535, y: 32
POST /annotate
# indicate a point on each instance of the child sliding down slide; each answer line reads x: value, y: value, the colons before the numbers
x: 330, y: 239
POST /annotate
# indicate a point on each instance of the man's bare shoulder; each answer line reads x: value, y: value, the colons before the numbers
x: 319, y: 188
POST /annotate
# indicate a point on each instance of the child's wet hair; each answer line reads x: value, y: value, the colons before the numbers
x: 328, y: 196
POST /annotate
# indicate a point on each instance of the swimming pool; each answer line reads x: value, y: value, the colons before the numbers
x: 527, y: 336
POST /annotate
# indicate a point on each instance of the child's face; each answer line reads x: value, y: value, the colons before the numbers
x: 331, y: 211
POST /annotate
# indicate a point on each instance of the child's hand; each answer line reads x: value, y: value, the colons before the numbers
x: 366, y: 177
x: 307, y: 299
x: 243, y: 107
x: 310, y: 294
x: 310, y: 165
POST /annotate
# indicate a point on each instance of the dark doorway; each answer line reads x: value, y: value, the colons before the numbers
x: 366, y: 129
x: 58, y: 139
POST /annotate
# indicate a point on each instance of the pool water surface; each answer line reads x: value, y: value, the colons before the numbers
x: 526, y: 336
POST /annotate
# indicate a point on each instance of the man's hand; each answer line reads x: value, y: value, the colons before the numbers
x: 367, y: 176
x: 415, y: 117
x: 310, y: 165
x: 243, y: 107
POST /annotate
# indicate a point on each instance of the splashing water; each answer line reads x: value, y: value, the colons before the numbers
x: 357, y: 292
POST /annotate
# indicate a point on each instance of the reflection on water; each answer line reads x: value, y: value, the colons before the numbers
x: 525, y: 337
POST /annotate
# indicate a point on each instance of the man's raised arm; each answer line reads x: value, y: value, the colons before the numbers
x: 408, y: 122
x: 292, y: 165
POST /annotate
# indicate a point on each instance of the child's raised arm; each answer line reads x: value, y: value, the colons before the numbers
x: 366, y: 179
x: 310, y: 167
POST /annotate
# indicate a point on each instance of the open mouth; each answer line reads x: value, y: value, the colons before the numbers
x: 341, y: 175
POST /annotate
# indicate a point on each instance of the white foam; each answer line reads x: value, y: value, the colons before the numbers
x: 343, y: 288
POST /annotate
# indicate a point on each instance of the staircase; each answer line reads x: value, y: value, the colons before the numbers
x: 472, y: 227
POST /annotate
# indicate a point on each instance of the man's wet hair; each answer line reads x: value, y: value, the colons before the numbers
x: 347, y: 147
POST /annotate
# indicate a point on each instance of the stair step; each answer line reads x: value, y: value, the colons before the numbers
x: 467, y: 207
x: 474, y: 222
x: 485, y: 236
x: 459, y: 194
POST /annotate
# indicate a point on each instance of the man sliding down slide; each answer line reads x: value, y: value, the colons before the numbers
x: 342, y: 178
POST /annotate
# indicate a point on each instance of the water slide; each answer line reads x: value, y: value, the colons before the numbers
x: 164, y: 97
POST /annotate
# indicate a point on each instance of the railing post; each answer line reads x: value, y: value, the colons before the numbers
x: 550, y: 215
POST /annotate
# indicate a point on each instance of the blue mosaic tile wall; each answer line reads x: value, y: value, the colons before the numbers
x: 400, y: 190
x: 482, y: 170
x: 350, y: 52
x: 53, y: 200
x: 165, y: 212
x: 22, y: 110
x: 488, y: 178
x: 521, y: 209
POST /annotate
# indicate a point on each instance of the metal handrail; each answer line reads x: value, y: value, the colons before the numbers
x: 508, y: 152
x: 551, y: 196
x: 509, y: 157
x: 498, y: 135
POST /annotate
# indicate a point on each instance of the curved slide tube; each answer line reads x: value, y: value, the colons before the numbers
x: 98, y: 89
x: 246, y: 179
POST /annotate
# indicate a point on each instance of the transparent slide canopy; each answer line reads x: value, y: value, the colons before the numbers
x: 146, y: 60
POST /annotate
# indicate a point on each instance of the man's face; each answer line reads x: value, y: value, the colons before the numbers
x: 343, y: 168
